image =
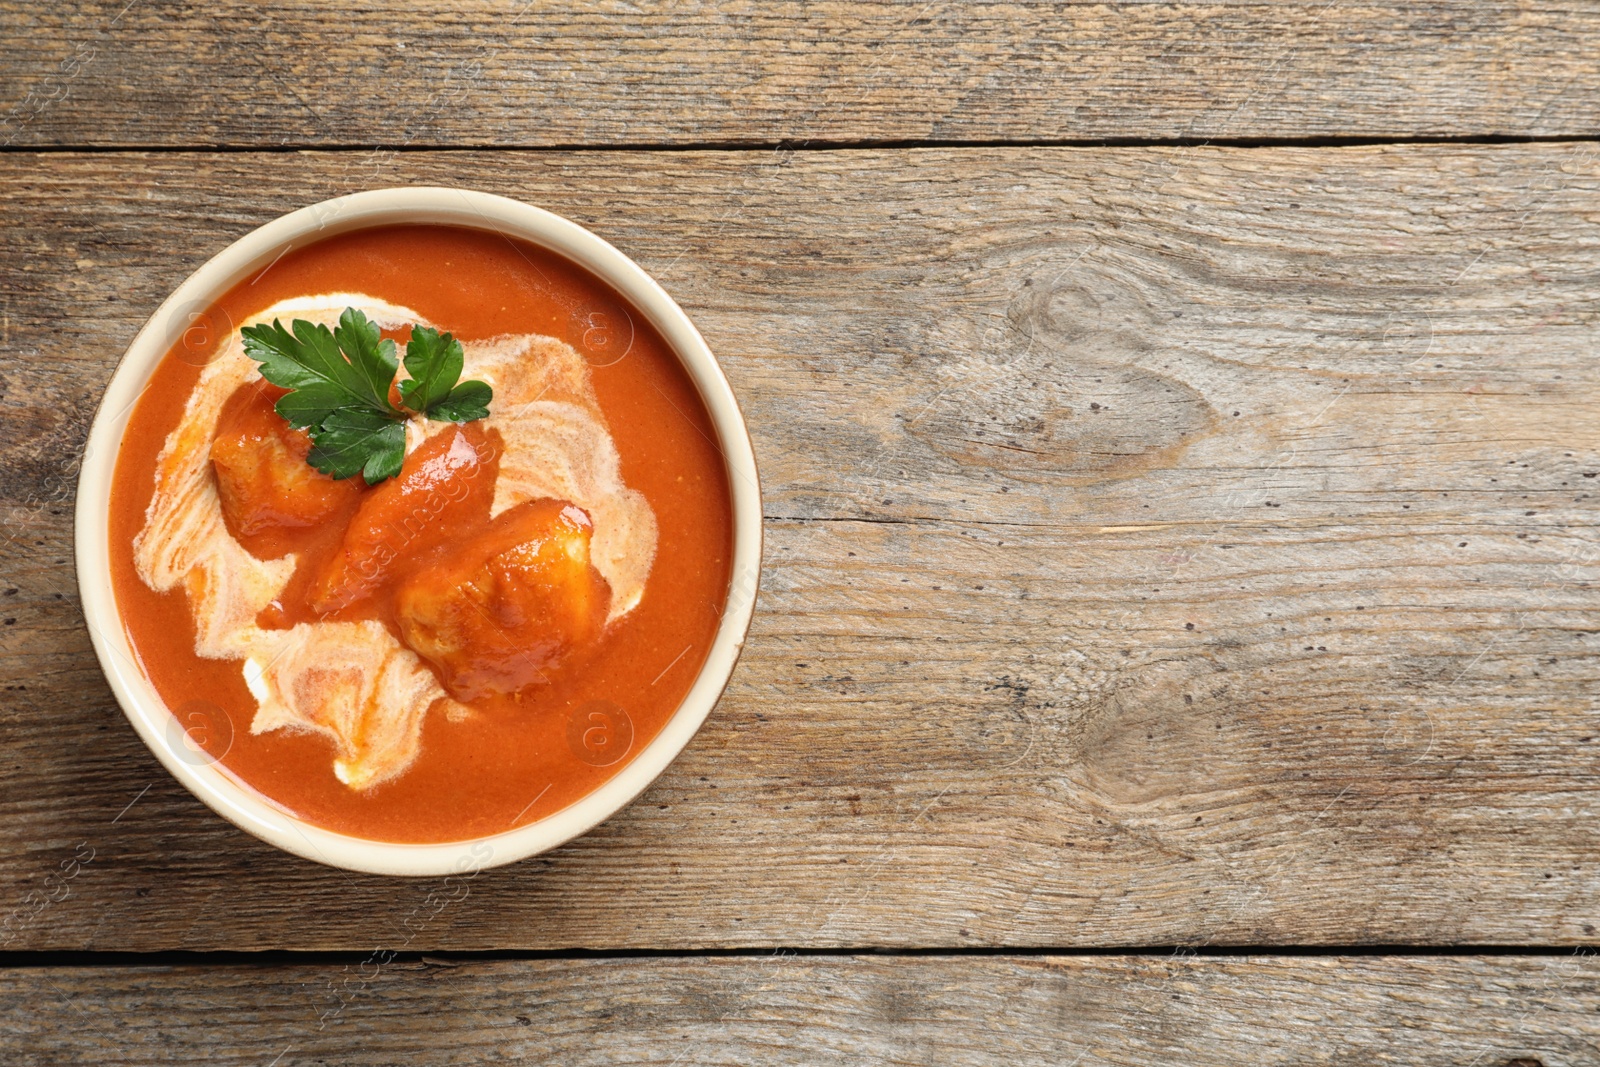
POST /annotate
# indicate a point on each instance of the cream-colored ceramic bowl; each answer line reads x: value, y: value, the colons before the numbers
x: 158, y: 726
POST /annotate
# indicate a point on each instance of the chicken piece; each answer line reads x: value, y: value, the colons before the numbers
x: 510, y: 604
x: 263, y: 479
x: 445, y: 487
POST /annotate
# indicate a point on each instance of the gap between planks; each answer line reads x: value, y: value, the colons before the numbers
x: 805, y: 145
x: 450, y: 957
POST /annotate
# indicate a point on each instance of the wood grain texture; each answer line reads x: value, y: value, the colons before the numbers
x: 1091, y: 1011
x: 514, y: 72
x: 1164, y: 546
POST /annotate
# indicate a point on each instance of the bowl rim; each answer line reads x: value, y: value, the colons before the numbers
x: 253, y: 252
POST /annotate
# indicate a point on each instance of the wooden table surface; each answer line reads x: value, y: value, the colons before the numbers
x: 1177, y: 634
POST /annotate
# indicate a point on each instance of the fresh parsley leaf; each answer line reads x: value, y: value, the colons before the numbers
x: 307, y: 406
x: 326, y: 370
x: 434, y: 361
x: 371, y: 354
x: 466, y: 402
x: 339, y: 382
x: 352, y: 440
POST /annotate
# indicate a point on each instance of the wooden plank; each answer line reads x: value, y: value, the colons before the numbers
x: 1509, y: 1011
x: 508, y: 72
x: 1164, y: 547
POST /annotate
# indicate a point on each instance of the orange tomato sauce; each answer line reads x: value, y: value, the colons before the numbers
x: 524, y: 756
